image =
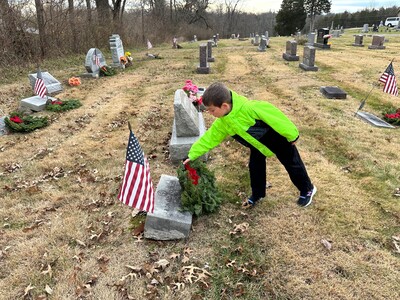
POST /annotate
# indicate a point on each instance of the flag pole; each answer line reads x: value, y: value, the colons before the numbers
x: 363, y: 102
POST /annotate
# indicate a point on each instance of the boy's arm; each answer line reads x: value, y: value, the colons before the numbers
x: 209, y: 140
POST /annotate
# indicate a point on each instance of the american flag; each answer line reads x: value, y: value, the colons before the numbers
x: 40, y: 88
x: 149, y: 45
x: 96, y: 59
x: 137, y: 187
x: 389, y: 79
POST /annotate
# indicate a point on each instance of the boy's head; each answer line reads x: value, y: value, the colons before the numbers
x: 217, y: 99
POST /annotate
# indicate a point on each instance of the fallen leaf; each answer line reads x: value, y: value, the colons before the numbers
x: 185, y: 259
x: 327, y: 244
x: 174, y: 256
x: 162, y: 263
x: 28, y: 289
x: 48, y: 290
x: 139, y: 229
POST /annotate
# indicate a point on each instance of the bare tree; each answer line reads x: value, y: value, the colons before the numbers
x: 231, y: 7
x: 41, y: 27
x: 71, y: 17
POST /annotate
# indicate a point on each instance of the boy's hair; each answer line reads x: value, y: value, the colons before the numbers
x: 217, y: 94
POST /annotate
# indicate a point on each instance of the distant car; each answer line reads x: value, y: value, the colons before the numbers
x: 392, y: 22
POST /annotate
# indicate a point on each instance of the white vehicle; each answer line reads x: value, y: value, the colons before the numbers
x: 392, y: 22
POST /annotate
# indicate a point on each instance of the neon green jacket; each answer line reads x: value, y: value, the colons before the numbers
x: 244, y: 115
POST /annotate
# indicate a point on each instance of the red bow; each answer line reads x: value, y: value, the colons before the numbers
x: 192, y: 174
x: 16, y: 119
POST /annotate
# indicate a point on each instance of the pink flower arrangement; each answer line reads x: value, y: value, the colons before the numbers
x: 191, y: 91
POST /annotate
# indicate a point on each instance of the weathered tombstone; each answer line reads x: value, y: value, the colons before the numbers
x: 377, y: 42
x: 358, y: 40
x: 204, y: 67
x: 291, y: 49
x: 210, y: 58
x: 194, y: 38
x: 174, y: 43
x: 117, y: 51
x: 35, y: 103
x: 336, y: 33
x: 217, y: 36
x: 3, y: 127
x: 215, y: 40
x: 256, y: 40
x: 322, y: 39
x: 53, y: 86
x: 374, y: 120
x: 310, y: 39
x: 308, y: 59
x: 263, y: 45
x: 341, y: 29
x: 267, y: 34
x: 233, y: 36
x: 168, y: 222
x: 333, y: 92
x: 365, y: 28
x: 188, y: 126
x: 90, y: 62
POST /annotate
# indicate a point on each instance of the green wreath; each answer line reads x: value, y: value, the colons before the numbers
x: 392, y: 116
x: 59, y: 106
x: 199, y: 191
x: 19, y: 122
x: 107, y: 71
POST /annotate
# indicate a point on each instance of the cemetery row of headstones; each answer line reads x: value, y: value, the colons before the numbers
x: 262, y: 42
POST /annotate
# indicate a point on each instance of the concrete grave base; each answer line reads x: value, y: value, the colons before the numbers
x: 90, y: 75
x: 322, y: 46
x: 289, y: 57
x: 333, y: 92
x: 261, y: 50
x: 167, y: 222
x: 358, y: 45
x: 35, y: 103
x: 308, y: 68
x: 374, y: 120
x: 374, y: 47
x: 179, y: 146
x: 3, y: 127
x: 203, y: 70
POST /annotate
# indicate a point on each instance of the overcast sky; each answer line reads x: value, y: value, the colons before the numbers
x: 337, y: 5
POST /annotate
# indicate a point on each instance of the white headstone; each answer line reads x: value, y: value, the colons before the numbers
x: 53, y: 86
x: 90, y: 62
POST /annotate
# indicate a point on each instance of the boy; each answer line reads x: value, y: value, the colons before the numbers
x: 264, y: 129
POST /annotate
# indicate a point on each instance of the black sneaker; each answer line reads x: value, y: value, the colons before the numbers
x: 250, y: 202
x: 306, y: 200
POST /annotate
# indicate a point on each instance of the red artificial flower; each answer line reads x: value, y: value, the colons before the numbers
x: 55, y: 102
x: 200, y: 100
x: 192, y: 174
x: 16, y: 119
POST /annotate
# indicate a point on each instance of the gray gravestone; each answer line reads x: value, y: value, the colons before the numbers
x: 35, y: 103
x: 377, y: 42
x: 186, y: 115
x: 187, y: 127
x: 3, y: 127
x: 90, y: 62
x: 215, y: 40
x: 267, y: 34
x: 210, y: 58
x: 204, y: 67
x: 333, y: 92
x: 358, y: 40
x: 168, y: 222
x: 291, y: 49
x: 308, y: 59
x: 310, y: 39
x: 336, y: 33
x: 365, y: 28
x: 117, y: 51
x: 53, y: 86
x: 263, y: 45
x: 322, y: 39
x: 256, y: 40
x: 374, y: 120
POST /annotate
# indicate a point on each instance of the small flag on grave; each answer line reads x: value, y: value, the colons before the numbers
x: 96, y: 59
x: 389, y: 79
x: 40, y: 88
x: 149, y: 45
x: 137, y: 187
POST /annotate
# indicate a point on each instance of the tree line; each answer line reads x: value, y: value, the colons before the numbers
x: 34, y: 30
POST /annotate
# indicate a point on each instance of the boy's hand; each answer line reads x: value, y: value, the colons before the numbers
x: 186, y: 161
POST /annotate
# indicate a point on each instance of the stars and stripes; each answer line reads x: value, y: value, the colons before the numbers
x: 389, y: 79
x: 40, y: 88
x: 137, y: 187
x: 96, y: 59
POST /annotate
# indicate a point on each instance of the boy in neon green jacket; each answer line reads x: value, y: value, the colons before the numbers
x: 264, y: 129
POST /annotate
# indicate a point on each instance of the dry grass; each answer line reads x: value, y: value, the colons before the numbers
x: 63, y: 227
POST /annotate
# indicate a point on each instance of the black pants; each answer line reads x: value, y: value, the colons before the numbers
x: 287, y: 154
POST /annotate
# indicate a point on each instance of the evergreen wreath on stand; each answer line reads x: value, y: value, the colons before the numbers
x: 58, y: 105
x: 19, y: 122
x: 199, y: 191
